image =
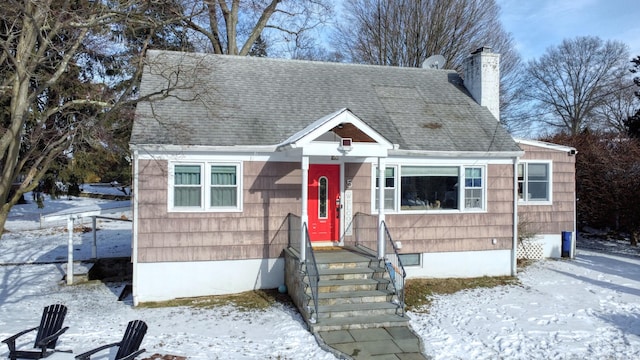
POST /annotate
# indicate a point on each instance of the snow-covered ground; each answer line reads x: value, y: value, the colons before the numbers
x: 587, y: 308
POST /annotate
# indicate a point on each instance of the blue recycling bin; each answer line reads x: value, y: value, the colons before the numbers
x: 566, y: 244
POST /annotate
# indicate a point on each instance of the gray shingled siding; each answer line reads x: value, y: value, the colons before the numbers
x: 229, y: 100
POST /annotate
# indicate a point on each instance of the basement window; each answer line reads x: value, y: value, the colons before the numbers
x: 410, y: 259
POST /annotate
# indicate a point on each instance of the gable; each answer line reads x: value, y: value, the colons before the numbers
x: 323, y: 137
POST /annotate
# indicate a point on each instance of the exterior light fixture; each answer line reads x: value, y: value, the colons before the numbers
x: 345, y: 144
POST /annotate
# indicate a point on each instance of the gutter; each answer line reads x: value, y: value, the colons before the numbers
x: 166, y: 148
x: 182, y: 149
x: 457, y: 154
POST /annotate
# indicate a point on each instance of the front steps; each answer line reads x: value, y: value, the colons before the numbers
x: 354, y: 292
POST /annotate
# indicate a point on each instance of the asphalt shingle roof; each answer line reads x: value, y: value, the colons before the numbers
x: 222, y: 100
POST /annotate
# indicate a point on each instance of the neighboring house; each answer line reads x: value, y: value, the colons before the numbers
x: 228, y: 149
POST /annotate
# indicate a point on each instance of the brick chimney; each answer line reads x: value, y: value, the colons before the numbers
x: 482, y: 78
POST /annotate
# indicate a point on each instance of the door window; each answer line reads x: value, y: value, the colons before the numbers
x: 322, y: 197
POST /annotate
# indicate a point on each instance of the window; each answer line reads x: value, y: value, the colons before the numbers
x: 534, y: 182
x: 389, y: 188
x: 224, y: 186
x: 473, y: 188
x: 188, y: 190
x: 431, y: 188
x: 410, y: 259
x: 322, y: 197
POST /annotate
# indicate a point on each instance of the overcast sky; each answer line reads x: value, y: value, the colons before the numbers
x: 539, y: 24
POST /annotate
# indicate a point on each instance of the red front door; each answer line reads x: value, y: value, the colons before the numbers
x: 324, y: 202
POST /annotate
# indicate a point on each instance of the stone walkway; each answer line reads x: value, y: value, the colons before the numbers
x: 391, y: 343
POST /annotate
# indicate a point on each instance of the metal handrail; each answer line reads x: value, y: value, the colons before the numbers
x: 312, y: 273
x: 394, y: 266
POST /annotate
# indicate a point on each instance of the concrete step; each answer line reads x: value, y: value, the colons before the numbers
x: 357, y: 310
x: 363, y: 322
x: 341, y: 260
x: 351, y: 285
x: 354, y: 297
x: 342, y: 265
x: 346, y: 273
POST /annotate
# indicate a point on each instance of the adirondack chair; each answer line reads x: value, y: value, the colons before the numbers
x: 128, y: 347
x: 48, y: 332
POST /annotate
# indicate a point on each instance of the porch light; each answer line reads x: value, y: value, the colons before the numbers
x: 345, y: 144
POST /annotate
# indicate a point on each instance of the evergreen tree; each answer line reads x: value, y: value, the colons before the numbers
x: 633, y: 122
x: 259, y: 48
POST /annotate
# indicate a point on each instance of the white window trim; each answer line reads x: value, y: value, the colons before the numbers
x: 549, y: 201
x: 205, y: 193
x: 461, y: 177
x: 483, y: 207
x: 374, y: 178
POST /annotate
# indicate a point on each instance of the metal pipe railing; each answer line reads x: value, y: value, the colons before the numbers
x: 365, y: 229
x: 312, y: 274
x: 394, y: 267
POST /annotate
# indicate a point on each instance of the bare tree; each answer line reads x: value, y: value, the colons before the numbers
x: 618, y: 107
x: 570, y: 85
x: 232, y: 27
x: 407, y: 32
x: 53, y: 88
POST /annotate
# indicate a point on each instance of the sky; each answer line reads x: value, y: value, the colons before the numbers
x: 540, y: 24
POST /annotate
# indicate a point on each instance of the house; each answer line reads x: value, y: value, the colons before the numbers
x: 229, y: 152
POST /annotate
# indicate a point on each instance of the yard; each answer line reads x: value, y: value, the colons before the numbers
x: 561, y: 309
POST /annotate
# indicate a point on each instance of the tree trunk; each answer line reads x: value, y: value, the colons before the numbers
x: 634, y: 237
x: 4, y: 214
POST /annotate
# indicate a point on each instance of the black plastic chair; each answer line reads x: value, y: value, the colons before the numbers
x: 128, y: 347
x: 48, y: 332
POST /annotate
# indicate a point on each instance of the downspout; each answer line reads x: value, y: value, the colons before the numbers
x: 514, y: 250
x: 341, y: 210
x: 304, y: 217
x: 381, y: 243
x: 574, y: 241
x: 134, y: 239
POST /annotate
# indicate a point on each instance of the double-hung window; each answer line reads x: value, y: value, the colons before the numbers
x: 389, y: 188
x: 207, y: 186
x: 473, y: 189
x: 224, y: 186
x: 187, y: 186
x: 534, y: 182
